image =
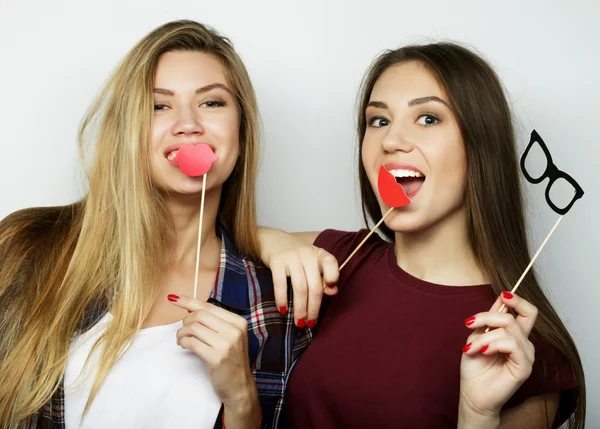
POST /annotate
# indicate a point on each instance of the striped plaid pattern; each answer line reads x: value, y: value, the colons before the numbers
x: 274, y: 342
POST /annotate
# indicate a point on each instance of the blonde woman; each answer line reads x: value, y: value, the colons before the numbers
x: 97, y: 326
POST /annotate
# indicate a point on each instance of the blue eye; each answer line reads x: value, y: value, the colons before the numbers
x: 378, y: 122
x: 427, y: 120
x: 213, y: 103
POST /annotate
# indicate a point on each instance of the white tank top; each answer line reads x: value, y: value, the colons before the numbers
x: 155, y: 384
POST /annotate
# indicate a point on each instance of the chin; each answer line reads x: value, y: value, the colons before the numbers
x: 180, y: 185
x: 405, y: 221
x: 405, y: 226
x: 187, y: 188
x: 424, y: 217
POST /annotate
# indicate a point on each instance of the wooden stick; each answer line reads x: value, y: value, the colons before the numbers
x: 199, y: 234
x: 363, y: 242
x: 531, y: 263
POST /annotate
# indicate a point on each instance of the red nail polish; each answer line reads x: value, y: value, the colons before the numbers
x: 507, y: 295
x: 283, y: 310
x: 484, y: 348
x: 172, y: 297
x: 301, y: 323
x: 311, y: 324
x: 466, y: 348
x: 470, y: 321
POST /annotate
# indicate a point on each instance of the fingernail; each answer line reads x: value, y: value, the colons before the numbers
x: 311, y: 324
x: 470, y: 321
x: 484, y: 348
x: 507, y: 295
x: 172, y: 297
x: 301, y: 323
x: 283, y: 310
x: 466, y: 348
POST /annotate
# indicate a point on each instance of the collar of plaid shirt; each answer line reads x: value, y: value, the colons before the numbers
x: 274, y: 342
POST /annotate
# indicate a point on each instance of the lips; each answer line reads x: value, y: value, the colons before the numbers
x: 392, y: 193
x: 195, y: 159
x: 408, y: 176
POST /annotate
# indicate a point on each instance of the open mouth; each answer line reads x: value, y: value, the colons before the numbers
x: 410, y: 180
x: 171, y: 151
x: 171, y: 155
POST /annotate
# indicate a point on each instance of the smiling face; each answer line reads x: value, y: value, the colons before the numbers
x: 412, y: 131
x: 193, y: 104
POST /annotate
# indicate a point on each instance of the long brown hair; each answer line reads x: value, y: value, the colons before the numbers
x: 493, y: 192
x: 108, y: 250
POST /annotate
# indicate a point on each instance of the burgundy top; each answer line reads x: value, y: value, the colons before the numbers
x: 387, y: 348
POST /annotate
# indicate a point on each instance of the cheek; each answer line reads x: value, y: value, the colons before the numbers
x: 459, y: 166
x: 230, y: 142
x: 371, y: 159
x: 450, y: 169
x: 158, y: 129
x: 226, y: 124
x: 366, y: 161
x: 226, y: 131
x: 369, y: 154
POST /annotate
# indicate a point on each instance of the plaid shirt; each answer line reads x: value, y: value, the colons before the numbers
x: 275, y: 343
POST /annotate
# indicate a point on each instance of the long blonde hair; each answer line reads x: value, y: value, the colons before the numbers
x: 108, y: 250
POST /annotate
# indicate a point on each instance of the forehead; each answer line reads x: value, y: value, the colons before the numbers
x: 181, y: 68
x: 404, y: 82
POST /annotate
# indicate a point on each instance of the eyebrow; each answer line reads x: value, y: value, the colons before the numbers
x: 423, y: 100
x: 379, y: 104
x: 413, y: 102
x: 198, y: 91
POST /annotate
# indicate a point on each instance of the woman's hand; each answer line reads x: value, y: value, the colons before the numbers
x: 220, y: 339
x: 309, y: 267
x: 495, y: 364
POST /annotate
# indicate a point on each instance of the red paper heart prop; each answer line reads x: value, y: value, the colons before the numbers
x: 392, y: 193
x: 195, y: 159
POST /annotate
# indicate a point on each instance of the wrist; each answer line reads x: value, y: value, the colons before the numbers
x: 267, y: 236
x: 263, y: 238
x: 243, y: 412
x: 250, y: 419
x: 468, y: 418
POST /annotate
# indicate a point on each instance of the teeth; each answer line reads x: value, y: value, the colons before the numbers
x: 406, y: 173
x: 172, y: 155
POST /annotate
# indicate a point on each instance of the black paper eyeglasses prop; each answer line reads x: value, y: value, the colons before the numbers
x: 553, y: 174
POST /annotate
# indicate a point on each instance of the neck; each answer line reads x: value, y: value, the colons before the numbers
x: 185, y: 212
x: 440, y: 254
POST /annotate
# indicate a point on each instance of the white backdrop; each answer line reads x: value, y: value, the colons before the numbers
x: 306, y: 60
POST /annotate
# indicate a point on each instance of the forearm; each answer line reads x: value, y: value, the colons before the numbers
x: 268, y: 234
x: 273, y: 241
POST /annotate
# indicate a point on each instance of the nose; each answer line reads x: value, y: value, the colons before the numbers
x: 188, y: 122
x: 397, y: 140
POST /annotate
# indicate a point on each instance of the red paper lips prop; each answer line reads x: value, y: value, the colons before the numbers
x: 392, y: 193
x: 195, y: 159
